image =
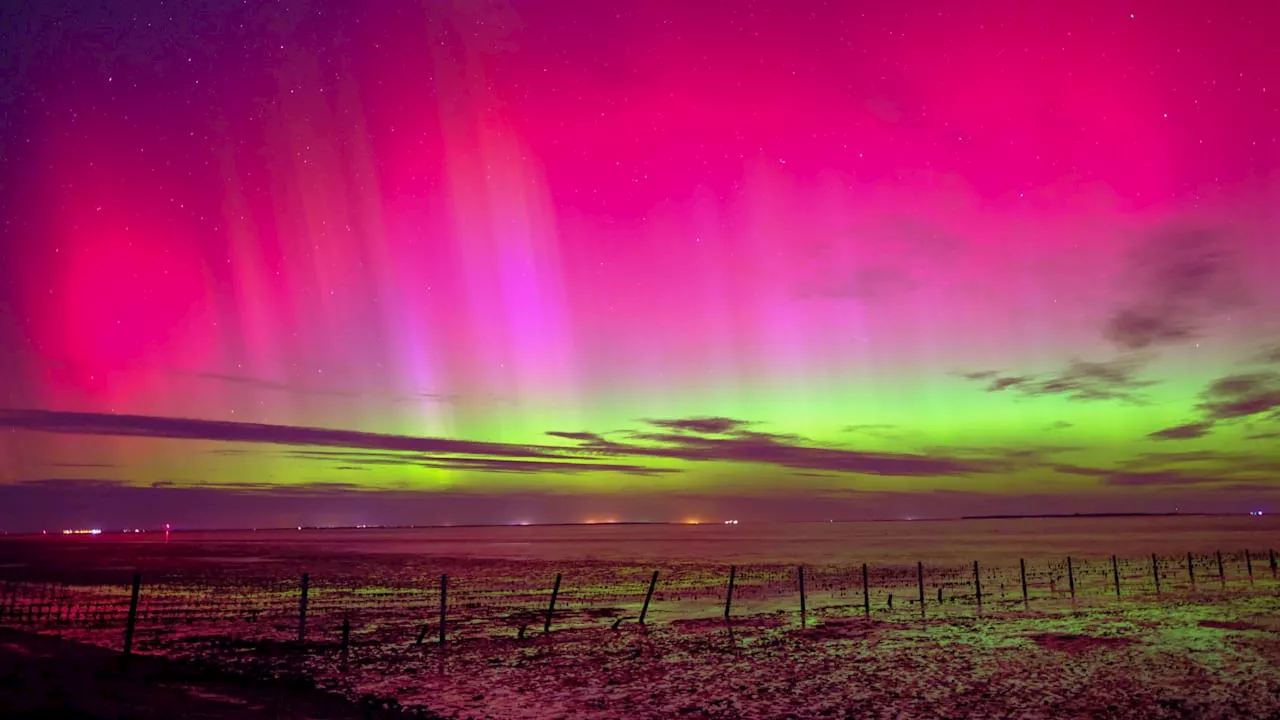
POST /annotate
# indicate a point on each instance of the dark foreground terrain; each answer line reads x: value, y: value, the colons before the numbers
x: 1214, y: 658
x: 49, y: 678
x: 220, y: 633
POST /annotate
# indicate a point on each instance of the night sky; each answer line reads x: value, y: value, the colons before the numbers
x: 343, y: 262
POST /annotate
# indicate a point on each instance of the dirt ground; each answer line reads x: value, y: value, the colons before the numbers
x: 1213, y: 657
x: 1196, y: 658
x: 50, y: 678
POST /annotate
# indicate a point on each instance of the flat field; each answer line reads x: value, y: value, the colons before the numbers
x: 1182, y: 623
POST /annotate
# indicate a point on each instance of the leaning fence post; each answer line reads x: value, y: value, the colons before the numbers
x: 728, y: 598
x: 1071, y: 579
x: 346, y: 635
x: 1115, y: 573
x: 1248, y: 564
x: 132, y: 621
x: 1222, y: 573
x: 1022, y: 570
x: 551, y: 608
x: 866, y: 593
x: 803, y: 609
x: 644, y: 609
x: 1191, y: 572
x: 920, y: 582
x: 302, y: 607
x: 1273, y: 563
x: 1155, y: 572
x: 977, y: 585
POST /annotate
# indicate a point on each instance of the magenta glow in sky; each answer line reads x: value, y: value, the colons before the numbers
x: 429, y: 262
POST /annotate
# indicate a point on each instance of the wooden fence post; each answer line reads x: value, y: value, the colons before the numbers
x: 1248, y: 564
x: 346, y: 635
x: 555, y: 591
x: 866, y: 593
x: 644, y: 609
x: 302, y: 607
x: 1272, y: 553
x: 803, y: 609
x: 1222, y: 573
x: 1155, y: 572
x: 1071, y: 579
x: 728, y: 598
x: 1191, y: 571
x: 920, y: 582
x: 132, y: 621
x: 1022, y: 570
x: 444, y: 591
x: 977, y: 585
x: 1115, y: 573
x: 444, y: 604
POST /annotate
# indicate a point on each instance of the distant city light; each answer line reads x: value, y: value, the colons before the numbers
x: 79, y: 531
x: 730, y: 522
x: 1256, y: 513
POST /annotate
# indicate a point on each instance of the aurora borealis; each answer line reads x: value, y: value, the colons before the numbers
x: 393, y: 262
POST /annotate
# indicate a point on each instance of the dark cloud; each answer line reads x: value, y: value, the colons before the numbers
x: 1138, y: 328
x: 1240, y: 396
x: 1249, y: 488
x: 788, y: 451
x: 730, y: 443
x: 1002, y: 383
x: 869, y: 427
x: 1070, y: 469
x: 582, y: 436
x: 1269, y: 356
x: 505, y: 465
x: 733, y: 443
x: 75, y: 423
x: 1157, y: 478
x: 82, y: 465
x: 1079, y: 380
x: 1183, y: 432
x: 1059, y: 425
x: 704, y: 425
x: 1086, y: 380
x: 1181, y: 279
x: 1264, y: 436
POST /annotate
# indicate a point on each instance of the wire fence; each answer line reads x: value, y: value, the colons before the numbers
x: 465, y: 602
